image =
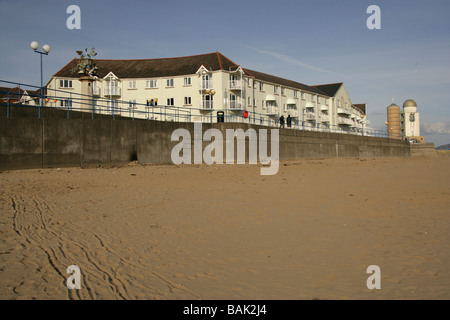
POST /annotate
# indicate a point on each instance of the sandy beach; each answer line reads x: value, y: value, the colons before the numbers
x: 226, y: 232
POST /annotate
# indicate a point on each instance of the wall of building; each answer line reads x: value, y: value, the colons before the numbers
x: 55, y: 141
x: 411, y: 129
x: 221, y: 98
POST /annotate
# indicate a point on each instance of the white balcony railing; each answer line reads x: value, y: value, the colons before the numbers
x: 206, y: 105
x: 236, y: 105
x: 96, y: 91
x: 343, y: 111
x: 206, y: 84
x: 310, y: 116
x: 113, y: 91
x: 272, y: 110
x: 235, y: 84
x: 324, y: 118
x: 293, y: 113
x: 345, y: 121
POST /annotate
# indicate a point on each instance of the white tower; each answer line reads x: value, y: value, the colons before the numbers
x: 410, y: 120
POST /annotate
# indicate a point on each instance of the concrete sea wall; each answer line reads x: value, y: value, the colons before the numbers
x: 52, y: 140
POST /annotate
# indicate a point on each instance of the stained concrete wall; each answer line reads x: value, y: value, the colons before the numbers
x: 423, y: 150
x: 55, y: 141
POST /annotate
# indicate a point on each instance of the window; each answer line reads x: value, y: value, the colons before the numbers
x: 275, y: 89
x: 283, y: 91
x: 65, y: 103
x: 170, y: 101
x: 261, y: 86
x: 233, y: 101
x: 65, y: 83
x: 187, y: 101
x: 206, y: 82
x: 207, y: 101
x: 112, y: 88
x: 235, y: 82
x: 151, y: 84
x: 132, y: 84
x: 312, y: 97
x: 318, y: 99
x: 303, y: 95
x: 112, y: 105
x: 187, y: 81
x: 169, y: 82
x: 95, y: 88
x: 295, y: 94
x: 338, y: 103
x: 132, y: 104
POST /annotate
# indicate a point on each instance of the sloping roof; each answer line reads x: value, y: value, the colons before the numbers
x: 281, y: 81
x: 150, y: 68
x: 167, y: 67
x: 14, y: 94
x: 330, y: 89
x: 361, y: 106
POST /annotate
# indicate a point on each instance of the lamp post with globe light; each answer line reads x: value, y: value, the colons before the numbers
x: 46, y: 49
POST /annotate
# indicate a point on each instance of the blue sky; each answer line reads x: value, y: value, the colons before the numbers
x: 312, y: 42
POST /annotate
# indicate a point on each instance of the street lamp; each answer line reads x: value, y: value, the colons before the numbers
x: 35, y: 46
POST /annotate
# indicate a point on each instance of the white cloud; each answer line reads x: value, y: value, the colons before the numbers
x: 294, y: 61
x: 438, y: 128
x: 297, y: 62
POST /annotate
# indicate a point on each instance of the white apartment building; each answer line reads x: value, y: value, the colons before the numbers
x: 199, y: 88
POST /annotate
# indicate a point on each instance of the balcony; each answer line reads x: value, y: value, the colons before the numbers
x: 206, y: 105
x: 236, y: 105
x: 206, y: 84
x: 343, y: 111
x: 293, y: 113
x: 345, y: 121
x: 272, y: 110
x: 324, y: 118
x: 111, y: 91
x: 310, y: 116
x: 235, y: 85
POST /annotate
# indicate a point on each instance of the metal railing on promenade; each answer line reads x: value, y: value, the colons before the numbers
x: 13, y: 94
